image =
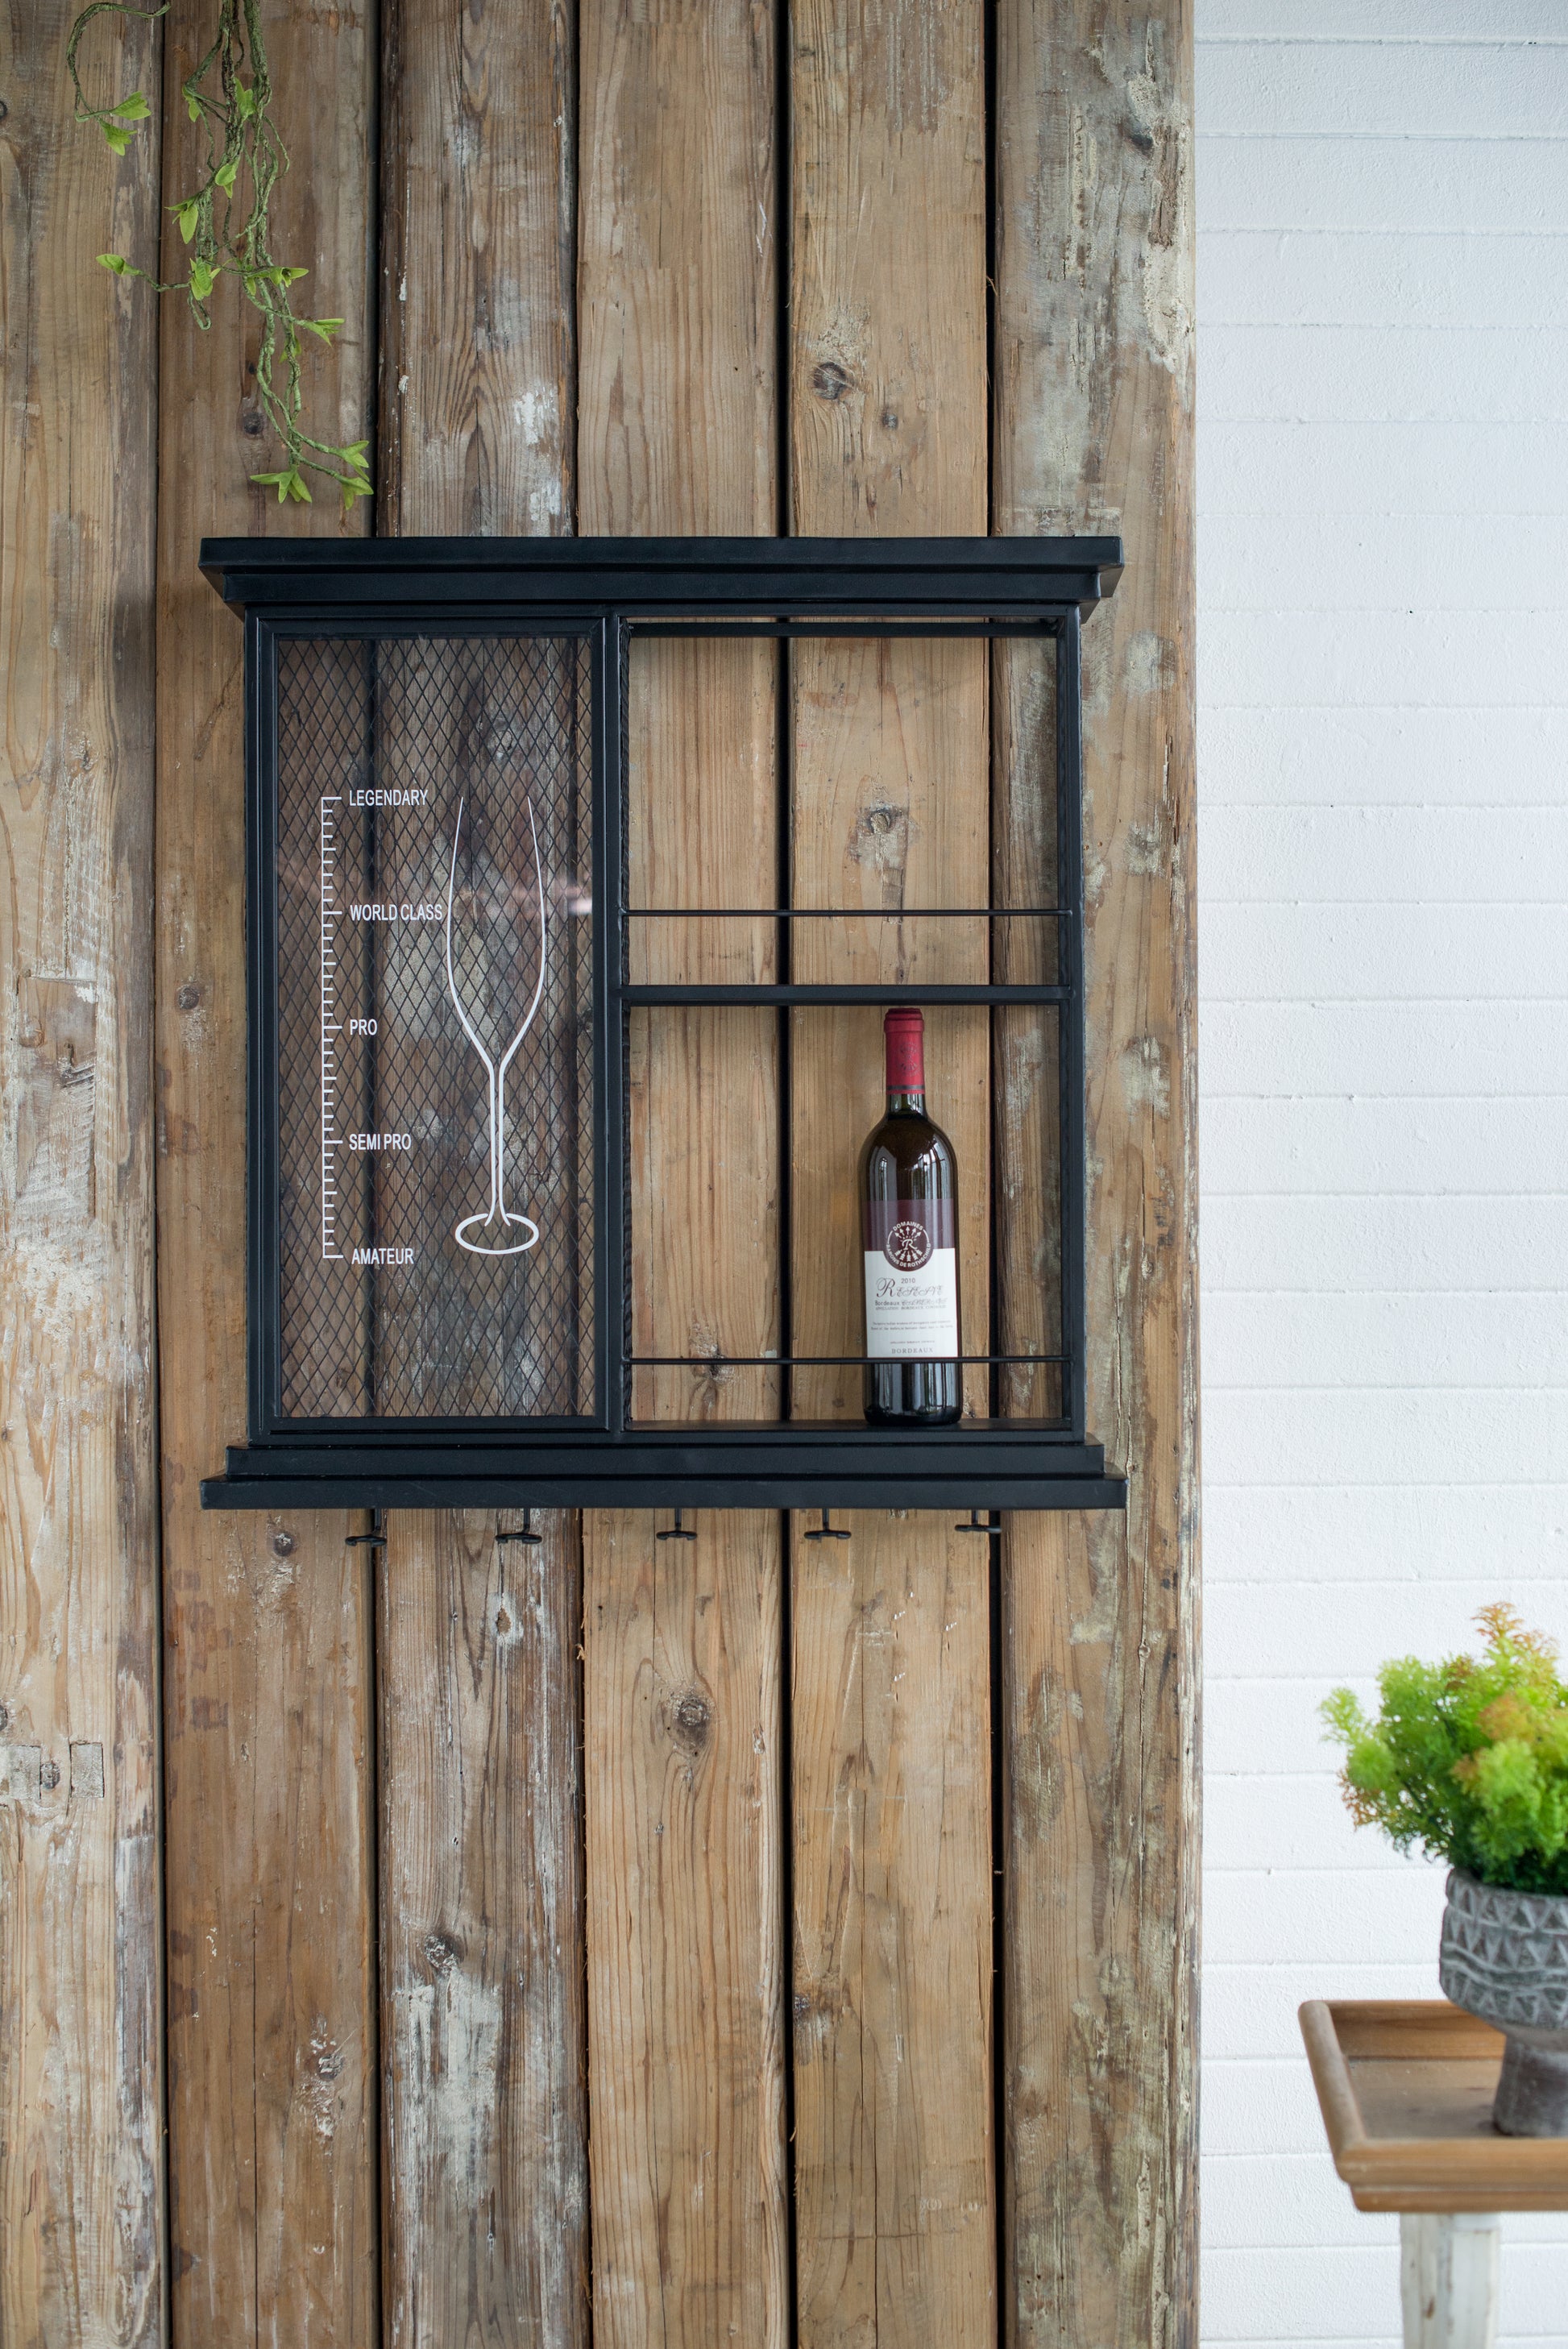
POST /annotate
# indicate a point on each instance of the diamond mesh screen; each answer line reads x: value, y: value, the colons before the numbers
x: 435, y: 996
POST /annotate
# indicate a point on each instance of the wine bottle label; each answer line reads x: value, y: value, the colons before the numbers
x: 912, y: 1280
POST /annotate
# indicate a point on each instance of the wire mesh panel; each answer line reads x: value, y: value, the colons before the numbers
x: 435, y: 1001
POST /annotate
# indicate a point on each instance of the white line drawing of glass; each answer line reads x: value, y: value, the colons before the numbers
x: 497, y: 1218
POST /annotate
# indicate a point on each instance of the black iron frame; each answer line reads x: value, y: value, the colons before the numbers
x: 611, y: 590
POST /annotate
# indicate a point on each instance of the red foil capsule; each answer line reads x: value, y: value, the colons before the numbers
x: 903, y: 1031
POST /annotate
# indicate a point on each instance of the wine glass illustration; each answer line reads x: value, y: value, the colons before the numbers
x: 491, y: 1232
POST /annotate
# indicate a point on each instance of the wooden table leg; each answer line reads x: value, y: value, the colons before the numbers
x: 1448, y: 2278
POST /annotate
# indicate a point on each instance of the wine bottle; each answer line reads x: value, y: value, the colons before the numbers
x: 909, y: 1208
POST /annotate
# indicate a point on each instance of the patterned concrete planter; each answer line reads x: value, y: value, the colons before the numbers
x: 1504, y: 1957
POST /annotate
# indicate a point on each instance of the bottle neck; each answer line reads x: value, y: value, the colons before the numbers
x: 904, y: 1045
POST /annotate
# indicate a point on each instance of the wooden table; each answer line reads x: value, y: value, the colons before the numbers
x: 1406, y: 2086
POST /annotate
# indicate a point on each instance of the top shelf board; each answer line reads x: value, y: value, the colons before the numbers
x: 845, y: 579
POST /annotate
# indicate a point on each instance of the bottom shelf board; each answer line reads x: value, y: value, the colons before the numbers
x: 1405, y: 2087
x: 995, y: 1466
x: 390, y: 1491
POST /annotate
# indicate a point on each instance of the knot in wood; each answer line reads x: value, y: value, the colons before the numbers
x: 830, y: 380
x: 188, y: 997
x: 691, y: 1721
x: 443, y: 1954
x: 329, y: 2057
x: 282, y: 1544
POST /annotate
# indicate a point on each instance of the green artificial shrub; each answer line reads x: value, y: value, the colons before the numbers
x: 1468, y: 1759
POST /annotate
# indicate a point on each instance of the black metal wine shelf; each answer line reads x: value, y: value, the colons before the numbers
x: 439, y: 1192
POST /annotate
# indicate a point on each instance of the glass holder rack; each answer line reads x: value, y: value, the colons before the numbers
x: 441, y: 1009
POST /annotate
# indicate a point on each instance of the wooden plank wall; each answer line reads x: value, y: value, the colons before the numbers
x: 1092, y: 430
x: 81, y: 2091
x: 596, y: 1939
x: 269, y: 1824
x: 891, y: 1776
x: 485, y: 2119
x: 678, y: 433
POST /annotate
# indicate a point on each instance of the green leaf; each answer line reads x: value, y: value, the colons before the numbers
x: 323, y: 329
x: 244, y: 101
x: 134, y: 108
x: 192, y: 107
x: 117, y: 139
x: 227, y: 173
x: 289, y: 483
x: 204, y: 277
x: 186, y: 214
x: 116, y: 263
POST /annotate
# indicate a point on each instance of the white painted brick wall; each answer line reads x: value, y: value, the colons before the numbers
x: 1383, y: 857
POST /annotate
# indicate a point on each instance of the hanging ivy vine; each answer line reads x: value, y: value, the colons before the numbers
x: 224, y: 223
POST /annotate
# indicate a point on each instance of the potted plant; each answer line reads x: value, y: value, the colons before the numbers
x: 1468, y: 1759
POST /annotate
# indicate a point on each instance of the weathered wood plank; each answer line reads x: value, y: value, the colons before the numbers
x: 677, y: 432
x: 681, y: 1660
x: 1093, y: 430
x: 894, y: 2157
x: 481, y: 1905
x: 887, y: 436
x: 890, y: 809
x: 893, y: 1987
x: 481, y: 1886
x: 478, y: 239
x: 81, y: 2158
x: 273, y: 2190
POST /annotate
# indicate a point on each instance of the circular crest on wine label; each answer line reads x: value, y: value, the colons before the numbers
x: 907, y: 1246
